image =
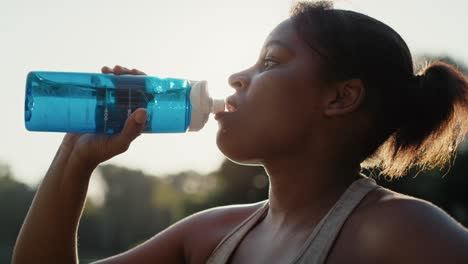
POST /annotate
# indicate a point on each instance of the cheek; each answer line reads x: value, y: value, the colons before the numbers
x: 284, y: 128
x: 279, y: 121
x: 288, y: 109
x: 280, y: 113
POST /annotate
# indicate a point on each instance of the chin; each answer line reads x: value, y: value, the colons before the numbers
x: 241, y: 153
x: 247, y: 162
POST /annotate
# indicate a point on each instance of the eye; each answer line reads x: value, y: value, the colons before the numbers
x: 269, y: 63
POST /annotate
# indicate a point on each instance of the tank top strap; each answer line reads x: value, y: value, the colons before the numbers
x: 226, y: 247
x: 317, y: 246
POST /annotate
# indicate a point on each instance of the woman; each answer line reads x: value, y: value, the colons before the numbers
x: 332, y: 90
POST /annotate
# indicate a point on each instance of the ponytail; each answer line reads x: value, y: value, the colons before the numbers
x: 436, y: 121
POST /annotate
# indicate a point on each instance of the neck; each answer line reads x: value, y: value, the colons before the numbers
x: 304, y: 188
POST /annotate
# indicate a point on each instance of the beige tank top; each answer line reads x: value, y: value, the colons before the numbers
x: 317, y: 246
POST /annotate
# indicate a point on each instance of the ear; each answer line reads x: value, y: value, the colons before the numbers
x: 346, y: 97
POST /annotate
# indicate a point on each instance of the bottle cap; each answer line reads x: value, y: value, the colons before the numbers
x: 202, y: 105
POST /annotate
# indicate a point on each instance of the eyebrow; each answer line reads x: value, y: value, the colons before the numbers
x: 278, y: 43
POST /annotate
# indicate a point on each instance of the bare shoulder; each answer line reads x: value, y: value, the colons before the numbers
x: 204, y: 230
x: 393, y: 228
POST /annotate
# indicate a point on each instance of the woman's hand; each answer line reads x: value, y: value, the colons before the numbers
x: 92, y: 149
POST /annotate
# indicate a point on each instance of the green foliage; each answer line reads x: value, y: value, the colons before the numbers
x: 15, y: 198
x: 423, y: 59
x: 239, y: 184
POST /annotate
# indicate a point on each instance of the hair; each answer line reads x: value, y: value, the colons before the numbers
x: 419, y: 118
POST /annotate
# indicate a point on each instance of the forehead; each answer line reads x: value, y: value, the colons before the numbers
x: 286, y: 35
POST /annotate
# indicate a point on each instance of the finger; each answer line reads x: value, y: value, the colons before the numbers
x: 132, y: 129
x: 106, y: 69
x: 69, y: 140
x: 119, y: 70
x: 137, y: 72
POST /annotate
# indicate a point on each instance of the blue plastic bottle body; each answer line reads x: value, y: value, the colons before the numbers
x: 100, y: 103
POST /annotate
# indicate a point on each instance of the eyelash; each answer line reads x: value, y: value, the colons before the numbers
x: 268, y: 63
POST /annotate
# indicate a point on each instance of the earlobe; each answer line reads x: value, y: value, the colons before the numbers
x: 347, y: 97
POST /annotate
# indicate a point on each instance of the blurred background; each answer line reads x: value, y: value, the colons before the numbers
x: 163, y: 178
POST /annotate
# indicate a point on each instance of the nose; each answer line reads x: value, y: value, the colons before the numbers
x: 239, y: 81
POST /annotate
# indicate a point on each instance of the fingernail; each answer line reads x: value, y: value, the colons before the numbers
x: 140, y: 117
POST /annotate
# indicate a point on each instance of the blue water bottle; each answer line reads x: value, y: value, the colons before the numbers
x: 100, y: 103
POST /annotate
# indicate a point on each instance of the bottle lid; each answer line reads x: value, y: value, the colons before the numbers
x: 202, y: 105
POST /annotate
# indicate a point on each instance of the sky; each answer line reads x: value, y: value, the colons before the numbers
x: 202, y: 39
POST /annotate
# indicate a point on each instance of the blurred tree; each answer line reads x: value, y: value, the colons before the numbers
x: 15, y: 198
x: 183, y: 193
x: 128, y: 216
x: 237, y: 184
x: 423, y: 59
x: 91, y: 243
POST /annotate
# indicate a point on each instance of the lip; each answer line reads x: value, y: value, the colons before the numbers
x: 221, y: 115
x: 232, y: 103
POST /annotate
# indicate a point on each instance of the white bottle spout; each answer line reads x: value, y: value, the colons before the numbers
x: 218, y: 106
x: 202, y: 105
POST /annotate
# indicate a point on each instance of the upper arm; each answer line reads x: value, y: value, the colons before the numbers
x: 415, y: 231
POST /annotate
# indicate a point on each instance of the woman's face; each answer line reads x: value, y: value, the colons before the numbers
x: 276, y: 108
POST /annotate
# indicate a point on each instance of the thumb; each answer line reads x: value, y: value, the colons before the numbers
x: 132, y: 129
